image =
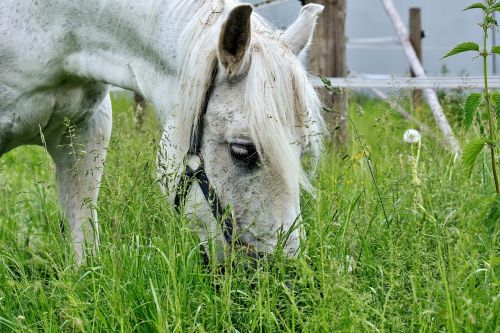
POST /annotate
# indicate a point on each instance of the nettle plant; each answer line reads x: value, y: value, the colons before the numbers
x: 482, y: 108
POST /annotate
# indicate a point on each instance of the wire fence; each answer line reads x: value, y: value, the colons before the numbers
x: 269, y: 3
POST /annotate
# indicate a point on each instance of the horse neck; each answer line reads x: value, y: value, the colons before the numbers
x: 128, y: 43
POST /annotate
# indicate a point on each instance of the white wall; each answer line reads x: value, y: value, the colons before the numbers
x: 444, y: 22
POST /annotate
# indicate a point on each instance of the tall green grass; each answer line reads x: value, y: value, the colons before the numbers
x: 431, y: 266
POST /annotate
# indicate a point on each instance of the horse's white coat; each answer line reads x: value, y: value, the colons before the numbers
x: 58, y: 56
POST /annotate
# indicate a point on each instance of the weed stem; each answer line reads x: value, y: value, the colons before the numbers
x: 492, y: 143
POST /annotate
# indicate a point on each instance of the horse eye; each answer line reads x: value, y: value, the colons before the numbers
x: 245, y: 154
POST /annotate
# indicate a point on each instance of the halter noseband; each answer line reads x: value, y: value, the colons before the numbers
x: 197, y: 173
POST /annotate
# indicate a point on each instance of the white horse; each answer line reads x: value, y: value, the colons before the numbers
x: 237, y: 106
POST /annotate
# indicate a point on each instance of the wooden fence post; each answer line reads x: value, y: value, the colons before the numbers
x: 430, y: 94
x: 327, y: 57
x: 416, y: 35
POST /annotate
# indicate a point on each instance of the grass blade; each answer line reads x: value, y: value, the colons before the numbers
x: 493, y: 214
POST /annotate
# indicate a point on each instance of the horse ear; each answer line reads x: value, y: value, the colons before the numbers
x: 299, y: 34
x: 235, y: 37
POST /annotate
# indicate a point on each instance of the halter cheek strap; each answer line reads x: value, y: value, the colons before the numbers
x: 198, y: 174
x: 195, y: 172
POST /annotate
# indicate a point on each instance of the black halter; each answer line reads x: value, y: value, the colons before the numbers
x: 189, y: 176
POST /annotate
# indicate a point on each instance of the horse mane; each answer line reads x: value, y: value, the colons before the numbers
x: 277, y: 115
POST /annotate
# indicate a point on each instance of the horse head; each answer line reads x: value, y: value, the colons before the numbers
x: 241, y: 173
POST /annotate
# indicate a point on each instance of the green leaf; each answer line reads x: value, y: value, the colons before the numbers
x: 477, y: 5
x: 496, y: 7
x: 480, y: 124
x: 471, y: 104
x: 496, y: 100
x: 493, y: 214
x: 464, y: 47
x: 471, y: 152
x: 491, y: 21
x: 495, y: 49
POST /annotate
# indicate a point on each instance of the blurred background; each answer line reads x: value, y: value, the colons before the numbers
x: 372, y: 47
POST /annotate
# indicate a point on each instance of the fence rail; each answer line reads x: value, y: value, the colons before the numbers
x: 392, y: 82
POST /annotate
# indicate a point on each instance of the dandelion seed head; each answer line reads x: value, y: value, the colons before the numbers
x: 411, y: 136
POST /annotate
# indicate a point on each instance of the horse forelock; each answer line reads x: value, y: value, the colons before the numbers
x: 281, y: 106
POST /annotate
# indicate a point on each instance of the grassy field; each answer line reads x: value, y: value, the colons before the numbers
x: 405, y: 258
